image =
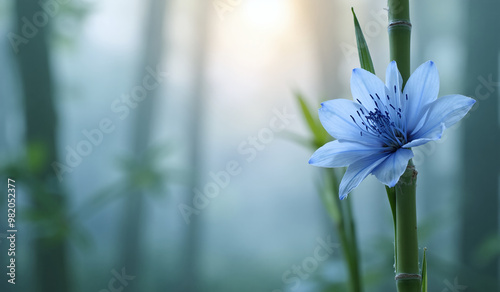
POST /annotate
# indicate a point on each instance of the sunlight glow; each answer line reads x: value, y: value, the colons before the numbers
x: 268, y: 15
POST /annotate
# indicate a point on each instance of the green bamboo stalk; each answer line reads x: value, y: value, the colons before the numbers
x: 406, y: 241
x: 399, y: 35
x: 408, y: 277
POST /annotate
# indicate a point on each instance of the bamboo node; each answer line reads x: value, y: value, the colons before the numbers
x: 405, y: 276
x: 400, y: 23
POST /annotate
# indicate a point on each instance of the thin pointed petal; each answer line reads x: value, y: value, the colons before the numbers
x: 335, y: 116
x: 393, y: 78
x: 442, y: 114
x: 364, y: 86
x: 389, y: 171
x: 394, y: 103
x: 422, y: 89
x: 358, y: 171
x: 339, y: 154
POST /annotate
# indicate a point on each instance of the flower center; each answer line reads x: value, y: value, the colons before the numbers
x: 385, y: 122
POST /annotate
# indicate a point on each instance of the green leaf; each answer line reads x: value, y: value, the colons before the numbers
x: 364, y: 54
x: 312, y: 120
x: 144, y: 172
x: 424, y: 273
x: 37, y: 154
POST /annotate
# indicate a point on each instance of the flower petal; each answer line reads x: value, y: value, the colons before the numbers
x: 337, y: 115
x: 441, y: 114
x: 339, y: 154
x: 393, y: 79
x: 431, y: 136
x: 358, y: 171
x: 364, y: 84
x: 422, y: 88
x: 389, y: 171
x: 394, y: 103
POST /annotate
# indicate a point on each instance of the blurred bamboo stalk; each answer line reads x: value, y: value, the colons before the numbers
x: 47, y: 196
x: 190, y: 279
x: 480, y: 158
x: 134, y: 205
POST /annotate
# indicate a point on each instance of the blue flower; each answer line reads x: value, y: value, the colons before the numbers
x: 376, y: 131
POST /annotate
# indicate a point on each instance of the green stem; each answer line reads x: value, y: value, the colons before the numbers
x: 350, y: 255
x: 407, y: 270
x: 399, y: 35
x: 353, y: 263
x: 343, y: 219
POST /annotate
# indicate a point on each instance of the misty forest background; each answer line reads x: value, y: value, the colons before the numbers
x: 219, y: 71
